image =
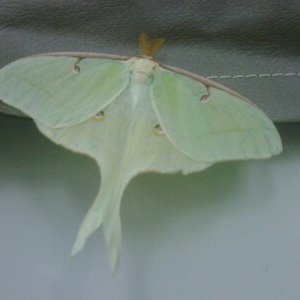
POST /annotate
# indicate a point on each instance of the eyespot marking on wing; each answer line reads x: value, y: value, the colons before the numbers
x: 100, y: 116
x: 158, y: 130
x: 206, y: 97
x: 76, y: 67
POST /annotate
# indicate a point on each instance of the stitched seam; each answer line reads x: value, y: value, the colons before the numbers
x: 255, y: 75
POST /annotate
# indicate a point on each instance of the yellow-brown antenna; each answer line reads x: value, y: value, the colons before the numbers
x: 149, y: 47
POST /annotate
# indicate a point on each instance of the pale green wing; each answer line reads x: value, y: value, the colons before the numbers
x: 62, y: 91
x: 217, y: 127
x: 123, y: 144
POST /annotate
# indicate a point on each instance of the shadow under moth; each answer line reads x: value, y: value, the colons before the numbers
x: 133, y: 115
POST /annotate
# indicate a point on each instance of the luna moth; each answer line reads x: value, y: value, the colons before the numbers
x: 132, y: 115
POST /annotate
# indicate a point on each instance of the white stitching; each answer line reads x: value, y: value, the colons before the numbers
x: 258, y: 75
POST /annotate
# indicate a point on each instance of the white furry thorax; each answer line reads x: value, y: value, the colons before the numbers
x: 142, y: 68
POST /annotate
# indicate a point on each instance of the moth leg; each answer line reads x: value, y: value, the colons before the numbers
x: 76, y: 68
x: 206, y: 97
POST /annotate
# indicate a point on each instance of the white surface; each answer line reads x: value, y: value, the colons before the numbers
x: 231, y: 232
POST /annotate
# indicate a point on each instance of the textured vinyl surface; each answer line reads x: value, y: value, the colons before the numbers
x: 252, y: 47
